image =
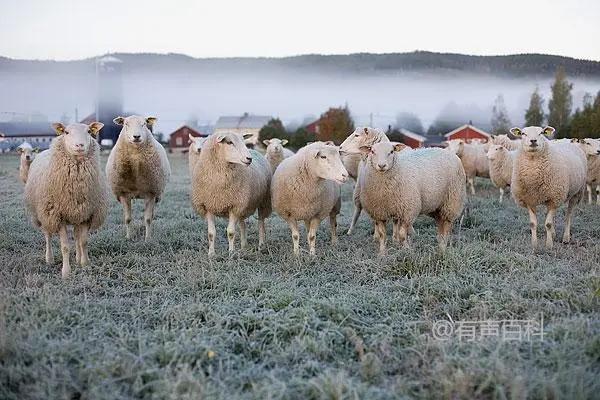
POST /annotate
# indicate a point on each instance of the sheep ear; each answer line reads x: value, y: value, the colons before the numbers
x: 284, y: 142
x: 575, y: 140
x: 266, y: 142
x: 329, y: 143
x: 516, y: 131
x: 36, y: 150
x: 365, y: 149
x: 119, y: 121
x: 20, y: 150
x: 247, y: 136
x: 191, y: 137
x: 366, y: 131
x: 399, y: 147
x: 548, y: 131
x: 221, y: 137
x: 150, y: 121
x: 58, y: 128
x: 95, y: 128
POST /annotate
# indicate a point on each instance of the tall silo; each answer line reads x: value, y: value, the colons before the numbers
x: 109, y: 95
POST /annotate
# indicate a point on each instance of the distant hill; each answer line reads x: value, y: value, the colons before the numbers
x: 502, y: 66
x: 177, y: 88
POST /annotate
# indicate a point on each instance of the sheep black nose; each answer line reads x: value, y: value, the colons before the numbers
x: 136, y: 137
x: 533, y: 141
x: 381, y: 166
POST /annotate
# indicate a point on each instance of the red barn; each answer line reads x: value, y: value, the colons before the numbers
x: 468, y: 133
x: 180, y: 139
x: 313, y: 127
x: 412, y: 139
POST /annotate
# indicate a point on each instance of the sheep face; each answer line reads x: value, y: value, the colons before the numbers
x: 363, y: 136
x: 77, y: 138
x: 495, y: 150
x: 591, y: 147
x: 383, y: 155
x: 231, y: 148
x: 197, y: 143
x: 456, y: 146
x: 136, y: 130
x: 533, y: 138
x: 27, y: 152
x: 328, y: 164
x: 275, y: 145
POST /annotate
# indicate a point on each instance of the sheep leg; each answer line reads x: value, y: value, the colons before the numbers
x: 401, y: 233
x: 312, y: 235
x: 148, y: 216
x: 589, y: 192
x: 261, y: 232
x: 598, y: 195
x: 295, y: 235
x: 533, y: 226
x: 471, y: 182
x: 333, y: 228
x: 568, y: 218
x: 550, y: 227
x: 357, y: 211
x: 212, y: 232
x: 231, y: 232
x: 83, y: 241
x: 501, y: 194
x: 443, y: 227
x: 49, y: 255
x: 77, y: 246
x: 65, y: 250
x: 380, y: 229
x: 243, y: 239
x: 126, y: 203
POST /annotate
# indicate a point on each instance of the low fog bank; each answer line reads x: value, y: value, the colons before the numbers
x: 293, y: 96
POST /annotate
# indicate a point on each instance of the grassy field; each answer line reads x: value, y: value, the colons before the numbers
x: 160, y: 320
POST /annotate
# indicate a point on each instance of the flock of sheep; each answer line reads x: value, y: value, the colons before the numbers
x: 64, y: 185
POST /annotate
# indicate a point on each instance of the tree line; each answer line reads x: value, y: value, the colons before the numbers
x: 335, y: 123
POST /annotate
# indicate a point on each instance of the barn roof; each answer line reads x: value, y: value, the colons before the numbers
x: 467, y: 126
x: 412, y: 135
x: 18, y: 129
x: 242, y: 122
x: 190, y: 130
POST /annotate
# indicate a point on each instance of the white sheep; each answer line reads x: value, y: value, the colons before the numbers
x: 505, y: 141
x: 401, y: 185
x: 231, y: 181
x: 194, y: 150
x: 275, y: 152
x: 137, y: 168
x: 66, y: 187
x: 474, y: 159
x: 27, y: 153
x: 501, y: 165
x: 352, y: 159
x: 306, y: 187
x: 550, y: 174
x: 591, y: 148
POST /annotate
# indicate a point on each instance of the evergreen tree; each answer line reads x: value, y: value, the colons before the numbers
x: 581, y: 123
x: 560, y: 104
x: 273, y: 129
x: 500, y: 121
x: 534, y: 116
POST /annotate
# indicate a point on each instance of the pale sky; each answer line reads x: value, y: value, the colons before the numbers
x: 67, y: 29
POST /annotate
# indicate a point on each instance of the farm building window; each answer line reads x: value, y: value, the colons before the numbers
x: 178, y: 141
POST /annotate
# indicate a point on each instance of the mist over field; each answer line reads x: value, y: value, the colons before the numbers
x: 178, y: 88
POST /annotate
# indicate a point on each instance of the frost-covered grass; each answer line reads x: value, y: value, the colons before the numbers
x: 160, y: 320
